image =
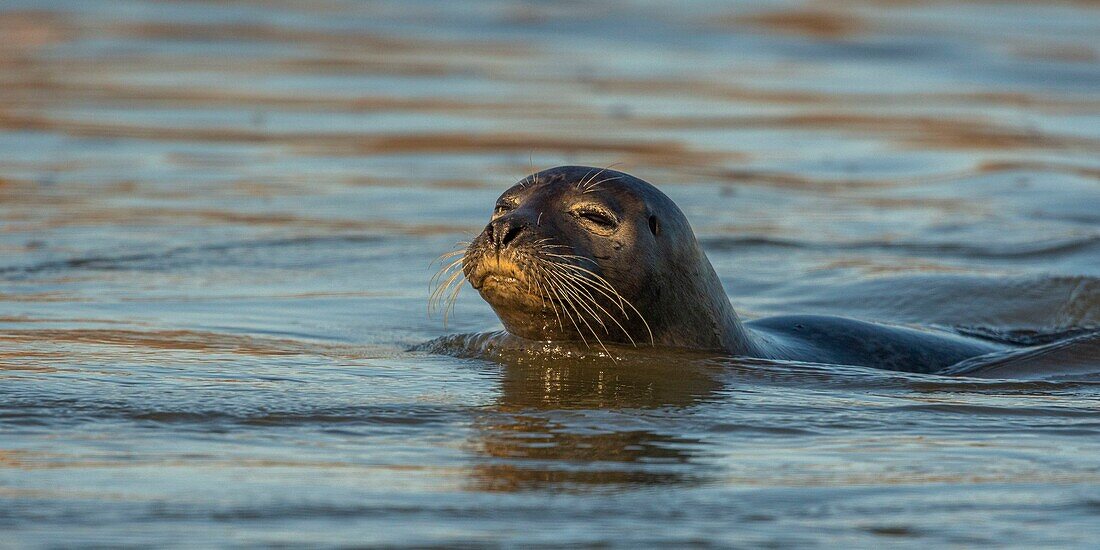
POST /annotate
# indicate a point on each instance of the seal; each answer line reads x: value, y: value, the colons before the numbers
x: 599, y: 257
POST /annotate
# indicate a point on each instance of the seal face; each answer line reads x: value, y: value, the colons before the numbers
x: 584, y: 254
x: 563, y: 257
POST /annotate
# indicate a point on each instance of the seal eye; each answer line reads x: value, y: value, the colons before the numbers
x: 598, y: 218
x: 653, y: 226
x: 503, y: 207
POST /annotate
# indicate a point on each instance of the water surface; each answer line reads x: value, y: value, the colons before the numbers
x: 216, y: 224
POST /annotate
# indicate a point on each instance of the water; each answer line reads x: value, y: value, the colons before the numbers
x: 216, y: 223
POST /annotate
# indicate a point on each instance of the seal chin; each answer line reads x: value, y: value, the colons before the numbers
x: 503, y: 283
x: 494, y: 280
x: 518, y: 301
x: 498, y: 287
x: 497, y: 280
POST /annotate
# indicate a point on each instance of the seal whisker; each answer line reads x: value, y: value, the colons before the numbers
x: 540, y: 271
x: 589, y: 176
x: 592, y: 187
x: 592, y: 300
x: 568, y: 315
x: 445, y: 273
x: 649, y: 331
x: 531, y: 170
x: 449, y: 308
x: 603, y: 283
x: 580, y: 297
x: 603, y: 288
x: 460, y: 248
x: 444, y: 257
x: 566, y: 298
x: 570, y: 302
x: 447, y: 267
x: 586, y: 183
x: 542, y: 296
x: 596, y: 279
x: 572, y: 257
x: 599, y: 279
x: 442, y: 290
x: 581, y: 182
x: 565, y: 280
x: 453, y: 275
x: 534, y: 177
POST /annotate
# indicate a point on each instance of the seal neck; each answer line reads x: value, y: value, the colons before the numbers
x: 696, y: 313
x: 732, y: 336
x: 737, y: 340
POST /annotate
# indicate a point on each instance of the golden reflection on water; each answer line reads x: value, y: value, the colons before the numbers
x: 525, y: 450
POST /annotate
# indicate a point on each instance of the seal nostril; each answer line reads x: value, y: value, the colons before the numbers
x: 510, y: 234
x: 502, y: 232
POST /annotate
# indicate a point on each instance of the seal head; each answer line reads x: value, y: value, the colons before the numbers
x: 577, y: 253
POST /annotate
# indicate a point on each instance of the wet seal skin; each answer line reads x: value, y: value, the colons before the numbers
x: 592, y: 256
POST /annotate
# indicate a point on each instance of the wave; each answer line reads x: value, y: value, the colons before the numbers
x: 59, y: 411
x: 1045, y: 304
x: 175, y: 257
x: 989, y: 251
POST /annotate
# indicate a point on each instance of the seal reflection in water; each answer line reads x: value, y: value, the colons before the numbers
x: 597, y: 257
x: 532, y: 441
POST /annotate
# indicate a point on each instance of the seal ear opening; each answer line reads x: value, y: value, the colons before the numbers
x: 653, y: 227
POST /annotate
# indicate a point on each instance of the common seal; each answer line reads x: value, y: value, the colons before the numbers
x: 599, y: 257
